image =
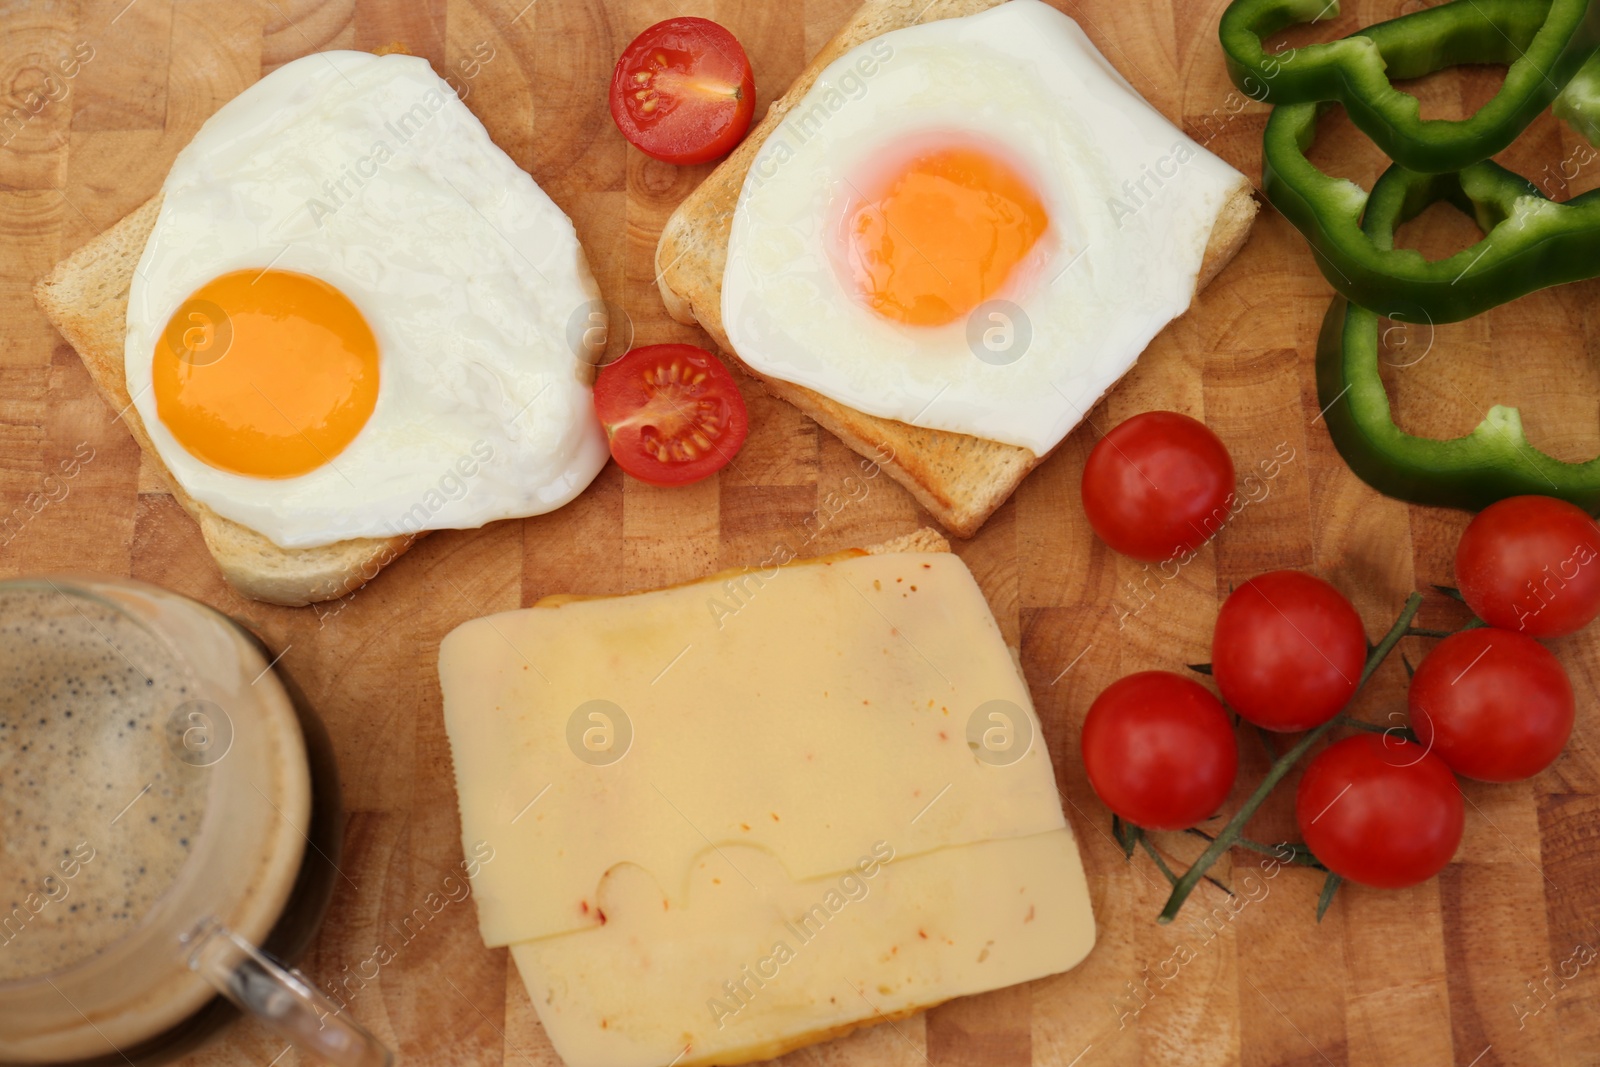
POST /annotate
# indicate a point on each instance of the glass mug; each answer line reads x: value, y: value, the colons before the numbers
x: 168, y: 804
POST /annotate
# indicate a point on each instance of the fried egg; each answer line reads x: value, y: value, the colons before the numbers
x: 973, y: 225
x: 358, y: 317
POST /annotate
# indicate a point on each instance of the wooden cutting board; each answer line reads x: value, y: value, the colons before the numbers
x: 1463, y: 970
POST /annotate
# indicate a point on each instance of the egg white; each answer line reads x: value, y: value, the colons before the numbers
x: 370, y: 173
x: 1120, y: 258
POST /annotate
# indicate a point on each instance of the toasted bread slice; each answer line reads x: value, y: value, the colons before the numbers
x: 86, y: 297
x: 960, y: 479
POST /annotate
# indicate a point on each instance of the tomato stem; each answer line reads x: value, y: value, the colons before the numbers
x: 1230, y: 834
x: 1126, y: 833
x: 1375, y: 728
x: 1299, y: 855
x: 1329, y: 888
x: 1172, y: 879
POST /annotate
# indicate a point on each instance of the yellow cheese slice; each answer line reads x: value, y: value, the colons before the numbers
x: 744, y: 975
x: 670, y: 778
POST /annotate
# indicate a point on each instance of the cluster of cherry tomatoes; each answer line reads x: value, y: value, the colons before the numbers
x: 1289, y: 652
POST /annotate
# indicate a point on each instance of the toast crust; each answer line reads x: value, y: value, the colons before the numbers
x: 86, y: 298
x: 960, y: 479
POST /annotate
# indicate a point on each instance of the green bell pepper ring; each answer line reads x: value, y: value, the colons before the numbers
x: 1579, y: 103
x: 1491, y: 463
x: 1543, y: 43
x: 1530, y: 242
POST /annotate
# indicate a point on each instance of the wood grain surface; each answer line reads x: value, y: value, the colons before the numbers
x: 1470, y: 969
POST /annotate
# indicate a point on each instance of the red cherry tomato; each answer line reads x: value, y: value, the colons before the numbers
x: 1380, y: 810
x: 1288, y: 651
x: 672, y: 413
x: 1493, y: 704
x: 683, y: 91
x: 1158, y: 486
x: 1531, y: 564
x: 1159, y: 750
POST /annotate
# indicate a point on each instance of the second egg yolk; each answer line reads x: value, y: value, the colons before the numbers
x: 942, y: 235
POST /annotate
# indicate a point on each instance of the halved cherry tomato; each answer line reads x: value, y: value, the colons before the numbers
x: 1288, y: 651
x: 1494, y: 704
x: 1380, y: 810
x: 672, y: 413
x: 1532, y: 564
x: 1158, y: 486
x: 683, y: 91
x: 1159, y: 750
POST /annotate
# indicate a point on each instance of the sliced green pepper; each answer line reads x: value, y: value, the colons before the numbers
x: 1491, y: 463
x: 1543, y: 43
x: 1579, y: 103
x: 1530, y: 242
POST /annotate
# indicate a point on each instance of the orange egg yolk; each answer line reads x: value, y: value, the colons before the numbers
x: 942, y: 235
x: 269, y: 374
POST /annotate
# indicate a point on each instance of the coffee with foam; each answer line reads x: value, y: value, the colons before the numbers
x: 153, y: 774
x: 101, y: 816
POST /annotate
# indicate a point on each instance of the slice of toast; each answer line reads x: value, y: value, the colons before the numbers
x: 86, y: 298
x: 960, y: 479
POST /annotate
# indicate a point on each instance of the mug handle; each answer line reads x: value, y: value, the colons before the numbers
x: 280, y: 997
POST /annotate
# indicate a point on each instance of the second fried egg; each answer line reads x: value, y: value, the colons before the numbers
x: 974, y: 225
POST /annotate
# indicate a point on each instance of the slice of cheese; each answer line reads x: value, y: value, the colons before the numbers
x: 747, y: 974
x: 671, y: 781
